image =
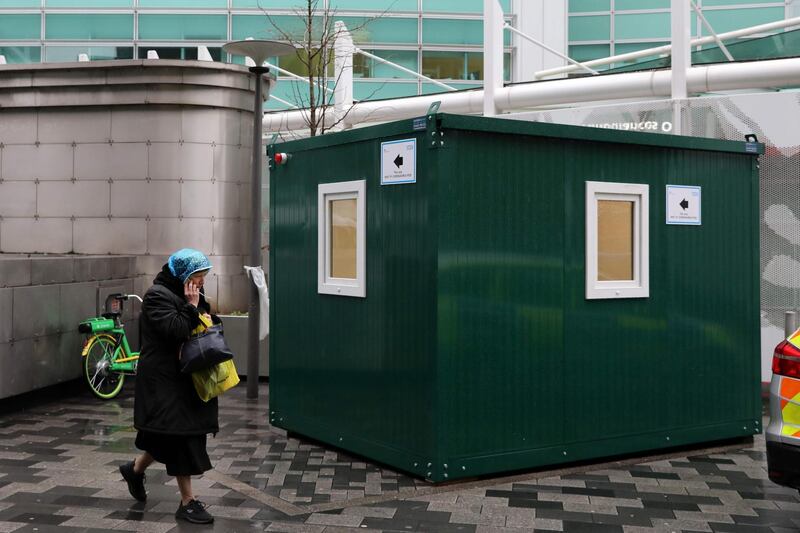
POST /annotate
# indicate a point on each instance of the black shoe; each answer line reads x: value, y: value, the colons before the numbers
x: 135, y: 481
x: 194, y: 512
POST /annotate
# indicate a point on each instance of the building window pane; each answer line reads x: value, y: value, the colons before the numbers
x: 382, y: 30
x: 341, y: 219
x: 442, y: 31
x: 366, y: 67
x: 343, y: 238
x: 617, y: 240
x: 374, y: 5
x: 621, y: 5
x: 590, y: 28
x: 89, y: 4
x: 66, y: 54
x: 20, y: 27
x: 200, y: 27
x: 21, y: 54
x: 22, y: 3
x: 262, y: 27
x: 444, y: 65
x: 587, y: 52
x: 267, y: 5
x: 642, y: 26
x: 614, y: 240
x: 83, y: 26
x: 461, y: 6
x: 723, y: 20
x: 583, y: 6
x: 376, y: 90
x: 179, y: 52
x: 192, y: 4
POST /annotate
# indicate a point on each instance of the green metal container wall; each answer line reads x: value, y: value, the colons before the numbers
x: 476, y: 349
x: 355, y: 372
x: 533, y: 373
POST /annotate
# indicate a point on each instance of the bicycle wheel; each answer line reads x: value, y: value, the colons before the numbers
x: 102, y: 381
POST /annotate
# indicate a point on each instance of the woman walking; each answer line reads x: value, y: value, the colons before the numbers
x: 171, y: 420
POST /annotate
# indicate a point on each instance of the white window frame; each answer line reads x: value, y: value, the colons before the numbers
x: 637, y: 193
x: 326, y: 284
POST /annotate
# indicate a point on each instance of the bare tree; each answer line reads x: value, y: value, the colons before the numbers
x: 314, y: 57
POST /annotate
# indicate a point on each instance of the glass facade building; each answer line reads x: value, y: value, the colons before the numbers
x: 442, y: 39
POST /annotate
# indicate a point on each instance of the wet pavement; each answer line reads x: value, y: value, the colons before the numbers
x: 59, y: 472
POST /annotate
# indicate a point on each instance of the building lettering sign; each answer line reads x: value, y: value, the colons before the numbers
x: 646, y: 125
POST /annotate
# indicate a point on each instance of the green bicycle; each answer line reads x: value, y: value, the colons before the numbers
x: 107, y: 357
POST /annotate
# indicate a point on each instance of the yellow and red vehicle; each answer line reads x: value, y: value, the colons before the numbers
x: 783, y: 432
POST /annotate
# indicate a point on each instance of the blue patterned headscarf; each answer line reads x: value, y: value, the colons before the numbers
x: 186, y: 262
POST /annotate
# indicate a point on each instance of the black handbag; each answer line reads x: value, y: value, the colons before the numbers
x: 204, y: 350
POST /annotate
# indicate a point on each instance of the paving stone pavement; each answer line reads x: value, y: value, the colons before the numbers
x: 59, y: 472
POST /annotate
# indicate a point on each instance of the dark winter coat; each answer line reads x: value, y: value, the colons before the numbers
x: 166, y: 401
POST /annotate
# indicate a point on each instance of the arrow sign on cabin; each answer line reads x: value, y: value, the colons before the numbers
x: 684, y: 204
x: 398, y: 161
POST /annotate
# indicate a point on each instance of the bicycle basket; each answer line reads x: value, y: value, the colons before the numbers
x: 96, y: 325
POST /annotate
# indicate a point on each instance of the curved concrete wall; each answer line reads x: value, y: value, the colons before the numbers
x: 129, y: 157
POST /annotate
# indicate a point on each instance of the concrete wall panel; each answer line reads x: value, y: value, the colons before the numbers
x: 227, y: 264
x: 36, y: 311
x: 246, y: 131
x: 151, y: 264
x: 140, y: 199
x: 123, y: 267
x: 155, y: 125
x: 230, y: 237
x: 50, y: 270
x: 6, y: 299
x: 115, y: 161
x: 15, y: 272
x: 232, y: 163
x: 28, y: 235
x: 48, y: 361
x: 115, y: 236
x: 230, y: 197
x: 201, y: 125
x: 77, y: 302
x: 176, y: 161
x: 68, y: 198
x: 17, y: 198
x: 92, y: 268
x: 200, y: 199
x: 78, y: 126
x: 233, y: 293
x: 19, y: 367
x: 165, y: 235
x: 69, y: 351
x: 6, y: 369
x: 18, y: 127
x: 43, y: 162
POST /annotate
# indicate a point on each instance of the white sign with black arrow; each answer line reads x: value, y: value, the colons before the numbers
x: 399, y: 162
x: 683, y: 205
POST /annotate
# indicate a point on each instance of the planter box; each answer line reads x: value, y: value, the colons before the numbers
x: 236, y: 336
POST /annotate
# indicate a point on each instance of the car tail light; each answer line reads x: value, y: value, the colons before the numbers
x: 786, y: 360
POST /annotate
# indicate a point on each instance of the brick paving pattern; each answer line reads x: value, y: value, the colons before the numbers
x: 58, y: 472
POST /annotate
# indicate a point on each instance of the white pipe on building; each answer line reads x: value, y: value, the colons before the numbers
x: 655, y: 84
x: 681, y: 58
x: 492, y: 55
x: 343, y: 71
x: 666, y: 49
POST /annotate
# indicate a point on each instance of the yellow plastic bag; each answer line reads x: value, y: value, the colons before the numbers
x: 212, y: 382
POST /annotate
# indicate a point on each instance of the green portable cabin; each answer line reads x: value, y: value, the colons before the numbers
x: 456, y: 296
